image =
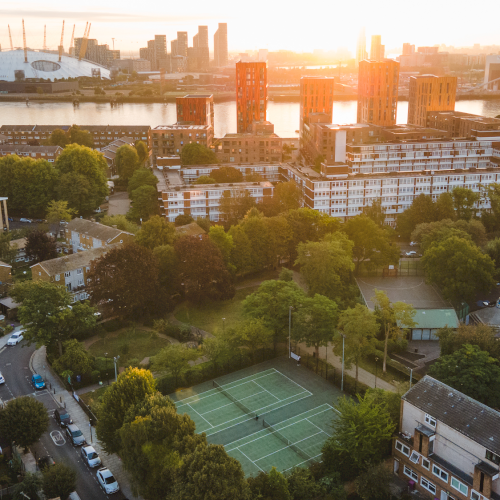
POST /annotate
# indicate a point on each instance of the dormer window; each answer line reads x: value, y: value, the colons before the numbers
x: 430, y: 420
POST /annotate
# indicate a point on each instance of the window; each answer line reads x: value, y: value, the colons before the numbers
x: 415, y: 457
x: 405, y: 450
x: 428, y: 485
x: 429, y: 420
x: 79, y: 271
x: 425, y: 463
x: 492, y: 457
x: 437, y: 471
x: 58, y: 277
x: 410, y: 473
x: 67, y: 274
x: 458, y: 485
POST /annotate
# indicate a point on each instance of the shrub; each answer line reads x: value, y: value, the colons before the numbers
x: 95, y: 376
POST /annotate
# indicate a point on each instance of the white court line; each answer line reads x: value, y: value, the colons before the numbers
x: 329, y: 435
x: 295, y: 444
x: 275, y: 397
x: 231, y: 403
x: 298, y: 465
x: 250, y: 460
x: 201, y: 416
x: 293, y: 382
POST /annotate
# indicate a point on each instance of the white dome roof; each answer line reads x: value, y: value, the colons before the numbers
x: 45, y: 65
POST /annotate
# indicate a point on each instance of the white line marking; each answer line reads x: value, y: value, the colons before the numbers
x: 275, y: 397
x: 298, y: 465
x: 250, y: 460
x: 295, y: 444
x: 231, y: 403
x: 292, y: 381
x: 201, y: 416
x: 3, y: 349
x: 314, y: 425
x: 58, y: 438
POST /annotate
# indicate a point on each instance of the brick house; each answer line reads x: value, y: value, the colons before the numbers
x: 5, y: 277
x: 448, y: 445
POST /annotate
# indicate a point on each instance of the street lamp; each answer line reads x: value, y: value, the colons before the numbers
x: 376, y: 366
x: 343, y: 347
x: 290, y: 332
x: 115, y: 359
x: 411, y: 375
x: 106, y: 366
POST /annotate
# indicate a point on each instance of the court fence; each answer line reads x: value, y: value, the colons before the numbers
x: 412, y: 267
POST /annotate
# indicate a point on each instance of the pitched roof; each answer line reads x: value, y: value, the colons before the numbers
x: 4, y: 264
x: 21, y: 243
x: 94, y: 229
x: 73, y: 261
x: 436, y: 318
x: 190, y: 230
x: 460, y: 412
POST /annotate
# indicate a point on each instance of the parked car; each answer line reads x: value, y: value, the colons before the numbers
x: 46, y: 461
x: 107, y: 481
x: 412, y: 253
x: 63, y: 223
x: 23, y: 219
x: 2, y: 379
x: 62, y: 417
x: 413, y: 243
x: 90, y: 456
x: 75, y: 435
x: 11, y: 219
x: 37, y: 381
x: 15, y: 338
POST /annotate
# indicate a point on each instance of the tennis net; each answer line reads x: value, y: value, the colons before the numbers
x: 286, y: 441
x: 239, y: 404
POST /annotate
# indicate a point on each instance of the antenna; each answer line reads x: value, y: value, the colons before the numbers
x: 24, y: 44
x: 61, y: 48
x: 10, y: 37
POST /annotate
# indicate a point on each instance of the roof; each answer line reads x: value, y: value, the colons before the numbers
x: 73, y: 261
x: 471, y: 418
x: 14, y: 148
x: 9, y: 303
x: 190, y: 230
x: 4, y: 264
x: 436, y: 318
x: 94, y: 229
x: 20, y: 242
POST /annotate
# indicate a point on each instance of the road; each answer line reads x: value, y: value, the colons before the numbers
x: 14, y: 365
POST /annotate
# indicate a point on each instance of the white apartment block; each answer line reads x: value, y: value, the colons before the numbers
x: 267, y: 171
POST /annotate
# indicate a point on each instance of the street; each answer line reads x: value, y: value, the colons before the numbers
x: 15, y: 367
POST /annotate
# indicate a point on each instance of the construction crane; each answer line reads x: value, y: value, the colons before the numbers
x: 61, y: 48
x: 10, y: 38
x: 83, y: 48
x: 44, y: 37
x: 24, y: 45
x: 71, y: 47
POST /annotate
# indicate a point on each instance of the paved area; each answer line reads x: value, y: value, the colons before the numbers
x: 119, y: 203
x: 412, y: 290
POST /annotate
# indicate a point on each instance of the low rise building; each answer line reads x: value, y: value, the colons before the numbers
x: 266, y: 171
x: 49, y: 153
x: 20, y: 246
x: 109, y: 153
x: 448, y: 444
x: 83, y: 235
x: 190, y: 230
x: 4, y: 139
x: 460, y: 124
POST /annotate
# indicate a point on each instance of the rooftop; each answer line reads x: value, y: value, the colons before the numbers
x: 195, y: 96
x: 29, y: 149
x: 190, y: 230
x: 436, y: 318
x: 471, y: 418
x: 94, y: 229
x: 180, y: 127
x: 226, y: 186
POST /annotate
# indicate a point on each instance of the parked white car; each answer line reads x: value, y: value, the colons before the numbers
x: 15, y: 338
x: 90, y: 456
x: 107, y: 481
x: 2, y: 379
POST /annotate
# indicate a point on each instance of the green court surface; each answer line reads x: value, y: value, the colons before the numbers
x: 212, y: 411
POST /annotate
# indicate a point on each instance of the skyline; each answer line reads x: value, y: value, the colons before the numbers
x: 278, y: 29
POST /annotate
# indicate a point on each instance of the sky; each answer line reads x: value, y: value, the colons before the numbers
x: 269, y: 24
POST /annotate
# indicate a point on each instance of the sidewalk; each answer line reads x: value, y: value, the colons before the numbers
x: 113, y: 462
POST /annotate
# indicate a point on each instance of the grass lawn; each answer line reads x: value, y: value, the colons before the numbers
x: 208, y: 316
x: 128, y: 344
x: 91, y: 396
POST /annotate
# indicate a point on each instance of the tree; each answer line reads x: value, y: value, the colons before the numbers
x: 126, y: 281
x: 202, y: 269
x: 253, y: 334
x: 359, y: 325
x: 394, y: 317
x: 390, y: 400
x: 235, y: 206
x: 59, y: 481
x: 226, y: 174
x: 314, y: 322
x: 205, y: 179
x: 303, y: 486
x: 142, y: 151
x: 482, y: 336
x: 459, y: 268
x: 58, y: 138
x: 8, y: 253
x: 40, y: 246
x: 471, y: 371
x: 141, y: 177
x: 371, y: 243
x: 327, y: 266
x: 82, y: 137
x: 83, y: 181
x: 317, y: 162
x: 444, y: 207
x: 362, y: 433
x: 121, y: 223
x: 75, y: 358
x: 24, y: 420
x: 167, y: 266
x: 375, y: 483
x: 197, y: 154
x: 464, y: 200
x: 420, y: 211
x: 376, y: 212
x: 272, y: 485
x: 288, y: 195
x: 145, y: 203
x: 182, y: 220
x: 223, y: 241
x: 58, y: 211
x: 155, y: 232
x: 46, y: 315
x: 175, y: 358
x: 220, y: 350
x: 209, y: 473
x: 126, y: 161
x: 132, y: 386
x: 492, y: 249
x: 29, y: 487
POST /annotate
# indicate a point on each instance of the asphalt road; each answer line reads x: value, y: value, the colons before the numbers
x: 14, y: 365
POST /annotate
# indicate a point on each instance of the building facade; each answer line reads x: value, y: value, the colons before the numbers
x: 316, y: 96
x: 377, y: 50
x: 448, y: 444
x: 459, y: 124
x: 430, y: 93
x: 361, y: 53
x: 492, y: 72
x: 196, y: 110
x: 221, y: 56
x: 251, y: 94
x: 267, y: 171
x: 378, y: 92
x: 201, y: 53
x: 49, y: 153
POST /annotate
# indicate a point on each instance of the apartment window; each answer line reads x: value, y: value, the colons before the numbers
x: 79, y: 271
x: 415, y: 457
x: 426, y: 463
x: 67, y: 274
x: 405, y: 450
x: 474, y: 495
x: 428, y: 485
x: 437, y: 471
x: 58, y: 277
x: 429, y: 420
x: 458, y: 485
x: 492, y: 457
x: 410, y: 473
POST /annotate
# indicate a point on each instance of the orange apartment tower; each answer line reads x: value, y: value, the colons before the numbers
x: 316, y: 96
x: 195, y: 110
x: 430, y: 93
x: 251, y: 94
x: 378, y: 92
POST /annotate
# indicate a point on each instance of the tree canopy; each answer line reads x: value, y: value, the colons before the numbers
x: 197, y: 154
x: 226, y: 174
x: 145, y: 203
x: 126, y: 161
x: 155, y: 232
x: 141, y: 177
x: 59, y: 481
x: 40, y: 246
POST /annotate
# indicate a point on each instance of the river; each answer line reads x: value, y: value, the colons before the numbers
x: 284, y: 115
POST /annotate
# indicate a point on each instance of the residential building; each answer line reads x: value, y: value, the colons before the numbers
x: 20, y: 245
x: 3, y: 139
x: 83, y: 235
x: 167, y: 140
x: 109, y: 153
x: 258, y: 146
x: 4, y: 215
x: 408, y: 49
x: 201, y: 52
x: 196, y: 110
x: 182, y: 43
x: 430, y: 93
x: 100, y: 54
x: 155, y: 52
x: 378, y: 92
x: 492, y: 72
x: 204, y: 200
x: 220, y: 46
x: 49, y: 153
x: 407, y: 133
x: 361, y: 53
x: 5, y: 277
x: 138, y: 65
x: 377, y: 50
x: 448, y: 445
x: 316, y: 96
x: 460, y: 124
x: 70, y: 271
x: 267, y: 171
x: 190, y: 230
x: 251, y: 94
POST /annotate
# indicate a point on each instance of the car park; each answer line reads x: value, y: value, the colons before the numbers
x: 107, y: 481
x: 2, y: 378
x: 62, y: 417
x: 37, y: 381
x: 75, y: 435
x: 90, y: 456
x: 15, y: 338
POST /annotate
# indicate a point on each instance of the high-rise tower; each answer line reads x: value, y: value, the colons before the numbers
x: 251, y: 94
x: 220, y: 46
x: 361, y: 53
x: 377, y: 50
